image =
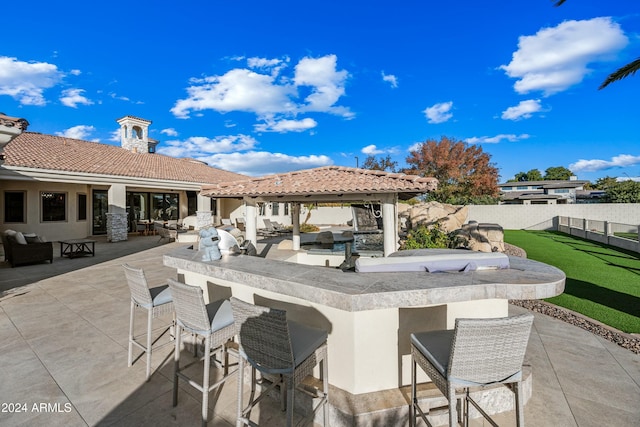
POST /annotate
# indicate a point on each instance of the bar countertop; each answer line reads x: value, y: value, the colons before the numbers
x: 350, y: 291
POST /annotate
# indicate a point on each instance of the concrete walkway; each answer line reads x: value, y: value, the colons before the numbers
x: 63, y: 359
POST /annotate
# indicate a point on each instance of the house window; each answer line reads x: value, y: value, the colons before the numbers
x: 561, y: 191
x: 261, y: 209
x: 54, y: 206
x: 164, y: 206
x: 507, y: 188
x: 14, y: 207
x: 522, y: 187
x: 275, y: 209
x: 286, y: 208
x: 82, y: 207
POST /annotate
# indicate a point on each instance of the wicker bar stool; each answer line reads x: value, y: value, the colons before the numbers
x: 281, y: 349
x: 214, y: 322
x: 477, y: 353
x: 157, y: 301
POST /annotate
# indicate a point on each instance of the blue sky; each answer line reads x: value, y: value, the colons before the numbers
x: 264, y: 87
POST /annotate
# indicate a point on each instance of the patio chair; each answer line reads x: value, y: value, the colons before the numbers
x: 226, y: 221
x: 240, y: 224
x: 282, y: 350
x: 477, y: 353
x: 165, y: 233
x: 214, y: 322
x: 157, y: 301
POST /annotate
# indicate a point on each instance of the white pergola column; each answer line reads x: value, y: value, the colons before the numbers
x: 295, y: 217
x: 389, y: 224
x: 251, y: 221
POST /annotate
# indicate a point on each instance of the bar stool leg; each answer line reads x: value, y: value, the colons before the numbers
x: 412, y: 409
x: 176, y: 364
x: 205, y: 379
x: 132, y: 316
x: 148, y: 349
x: 325, y: 389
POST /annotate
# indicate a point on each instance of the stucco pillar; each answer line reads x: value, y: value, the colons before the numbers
x: 117, y: 224
x: 390, y: 229
x: 204, y: 216
x: 295, y: 219
x: 251, y: 221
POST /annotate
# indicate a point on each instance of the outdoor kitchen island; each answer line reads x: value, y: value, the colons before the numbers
x: 369, y: 316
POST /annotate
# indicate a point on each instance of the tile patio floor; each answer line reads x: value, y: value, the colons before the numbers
x: 63, y: 340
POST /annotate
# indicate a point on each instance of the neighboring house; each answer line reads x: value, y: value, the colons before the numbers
x: 66, y: 188
x: 542, y: 192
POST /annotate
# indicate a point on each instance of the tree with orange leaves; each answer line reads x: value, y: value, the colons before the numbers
x: 465, y: 173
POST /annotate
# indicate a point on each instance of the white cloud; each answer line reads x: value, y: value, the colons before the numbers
x: 115, y: 135
x: 391, y: 79
x: 237, y: 90
x: 73, y: 97
x: 27, y: 81
x: 327, y: 84
x: 75, y: 72
x: 371, y: 150
x: 200, y: 146
x: 524, y: 109
x: 497, y: 139
x: 78, y: 132
x: 272, y: 65
x: 169, y: 132
x: 439, y: 113
x: 556, y: 58
x: 258, y: 163
x: 283, y: 126
x: 121, y: 98
x: 268, y: 95
x: 622, y: 160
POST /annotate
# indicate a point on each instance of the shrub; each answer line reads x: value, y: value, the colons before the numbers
x: 308, y: 228
x: 430, y: 236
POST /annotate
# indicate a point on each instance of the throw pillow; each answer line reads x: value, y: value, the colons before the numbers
x: 33, y: 238
x: 20, y: 238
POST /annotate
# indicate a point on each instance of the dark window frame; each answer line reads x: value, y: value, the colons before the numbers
x: 57, y: 203
x: 7, y: 205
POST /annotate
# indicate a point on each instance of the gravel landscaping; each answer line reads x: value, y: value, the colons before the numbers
x: 630, y: 342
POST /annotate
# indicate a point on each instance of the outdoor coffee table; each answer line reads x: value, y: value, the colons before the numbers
x: 77, y: 247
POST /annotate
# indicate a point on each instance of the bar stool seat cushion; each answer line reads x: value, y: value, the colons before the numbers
x: 159, y: 295
x: 304, y: 340
x: 439, y: 347
x: 220, y: 314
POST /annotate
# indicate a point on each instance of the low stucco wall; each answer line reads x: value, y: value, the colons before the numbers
x: 543, y: 217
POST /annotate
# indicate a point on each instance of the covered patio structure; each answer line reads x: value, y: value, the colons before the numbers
x: 329, y: 184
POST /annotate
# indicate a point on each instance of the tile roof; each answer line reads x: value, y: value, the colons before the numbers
x: 328, y: 180
x: 49, y: 152
x: 16, y: 122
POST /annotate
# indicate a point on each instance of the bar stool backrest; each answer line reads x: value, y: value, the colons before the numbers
x: 191, y: 310
x: 138, y: 285
x: 489, y: 350
x: 264, y: 336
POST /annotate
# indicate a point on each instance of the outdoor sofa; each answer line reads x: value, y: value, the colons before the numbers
x: 25, y: 249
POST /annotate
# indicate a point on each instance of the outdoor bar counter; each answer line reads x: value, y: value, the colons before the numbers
x: 369, y: 316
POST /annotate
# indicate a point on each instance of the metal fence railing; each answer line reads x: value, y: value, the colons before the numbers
x: 625, y: 236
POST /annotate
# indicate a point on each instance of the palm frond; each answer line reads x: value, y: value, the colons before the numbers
x: 621, y: 73
x: 559, y: 2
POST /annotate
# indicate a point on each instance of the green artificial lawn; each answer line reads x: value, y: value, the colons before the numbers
x: 603, y: 283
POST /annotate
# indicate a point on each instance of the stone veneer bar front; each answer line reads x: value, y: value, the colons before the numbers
x: 369, y: 316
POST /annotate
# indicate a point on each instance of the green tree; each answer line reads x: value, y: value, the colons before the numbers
x: 605, y: 182
x: 382, y: 164
x: 620, y: 73
x: 559, y: 173
x: 532, y: 175
x: 623, y: 192
x: 464, y: 171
